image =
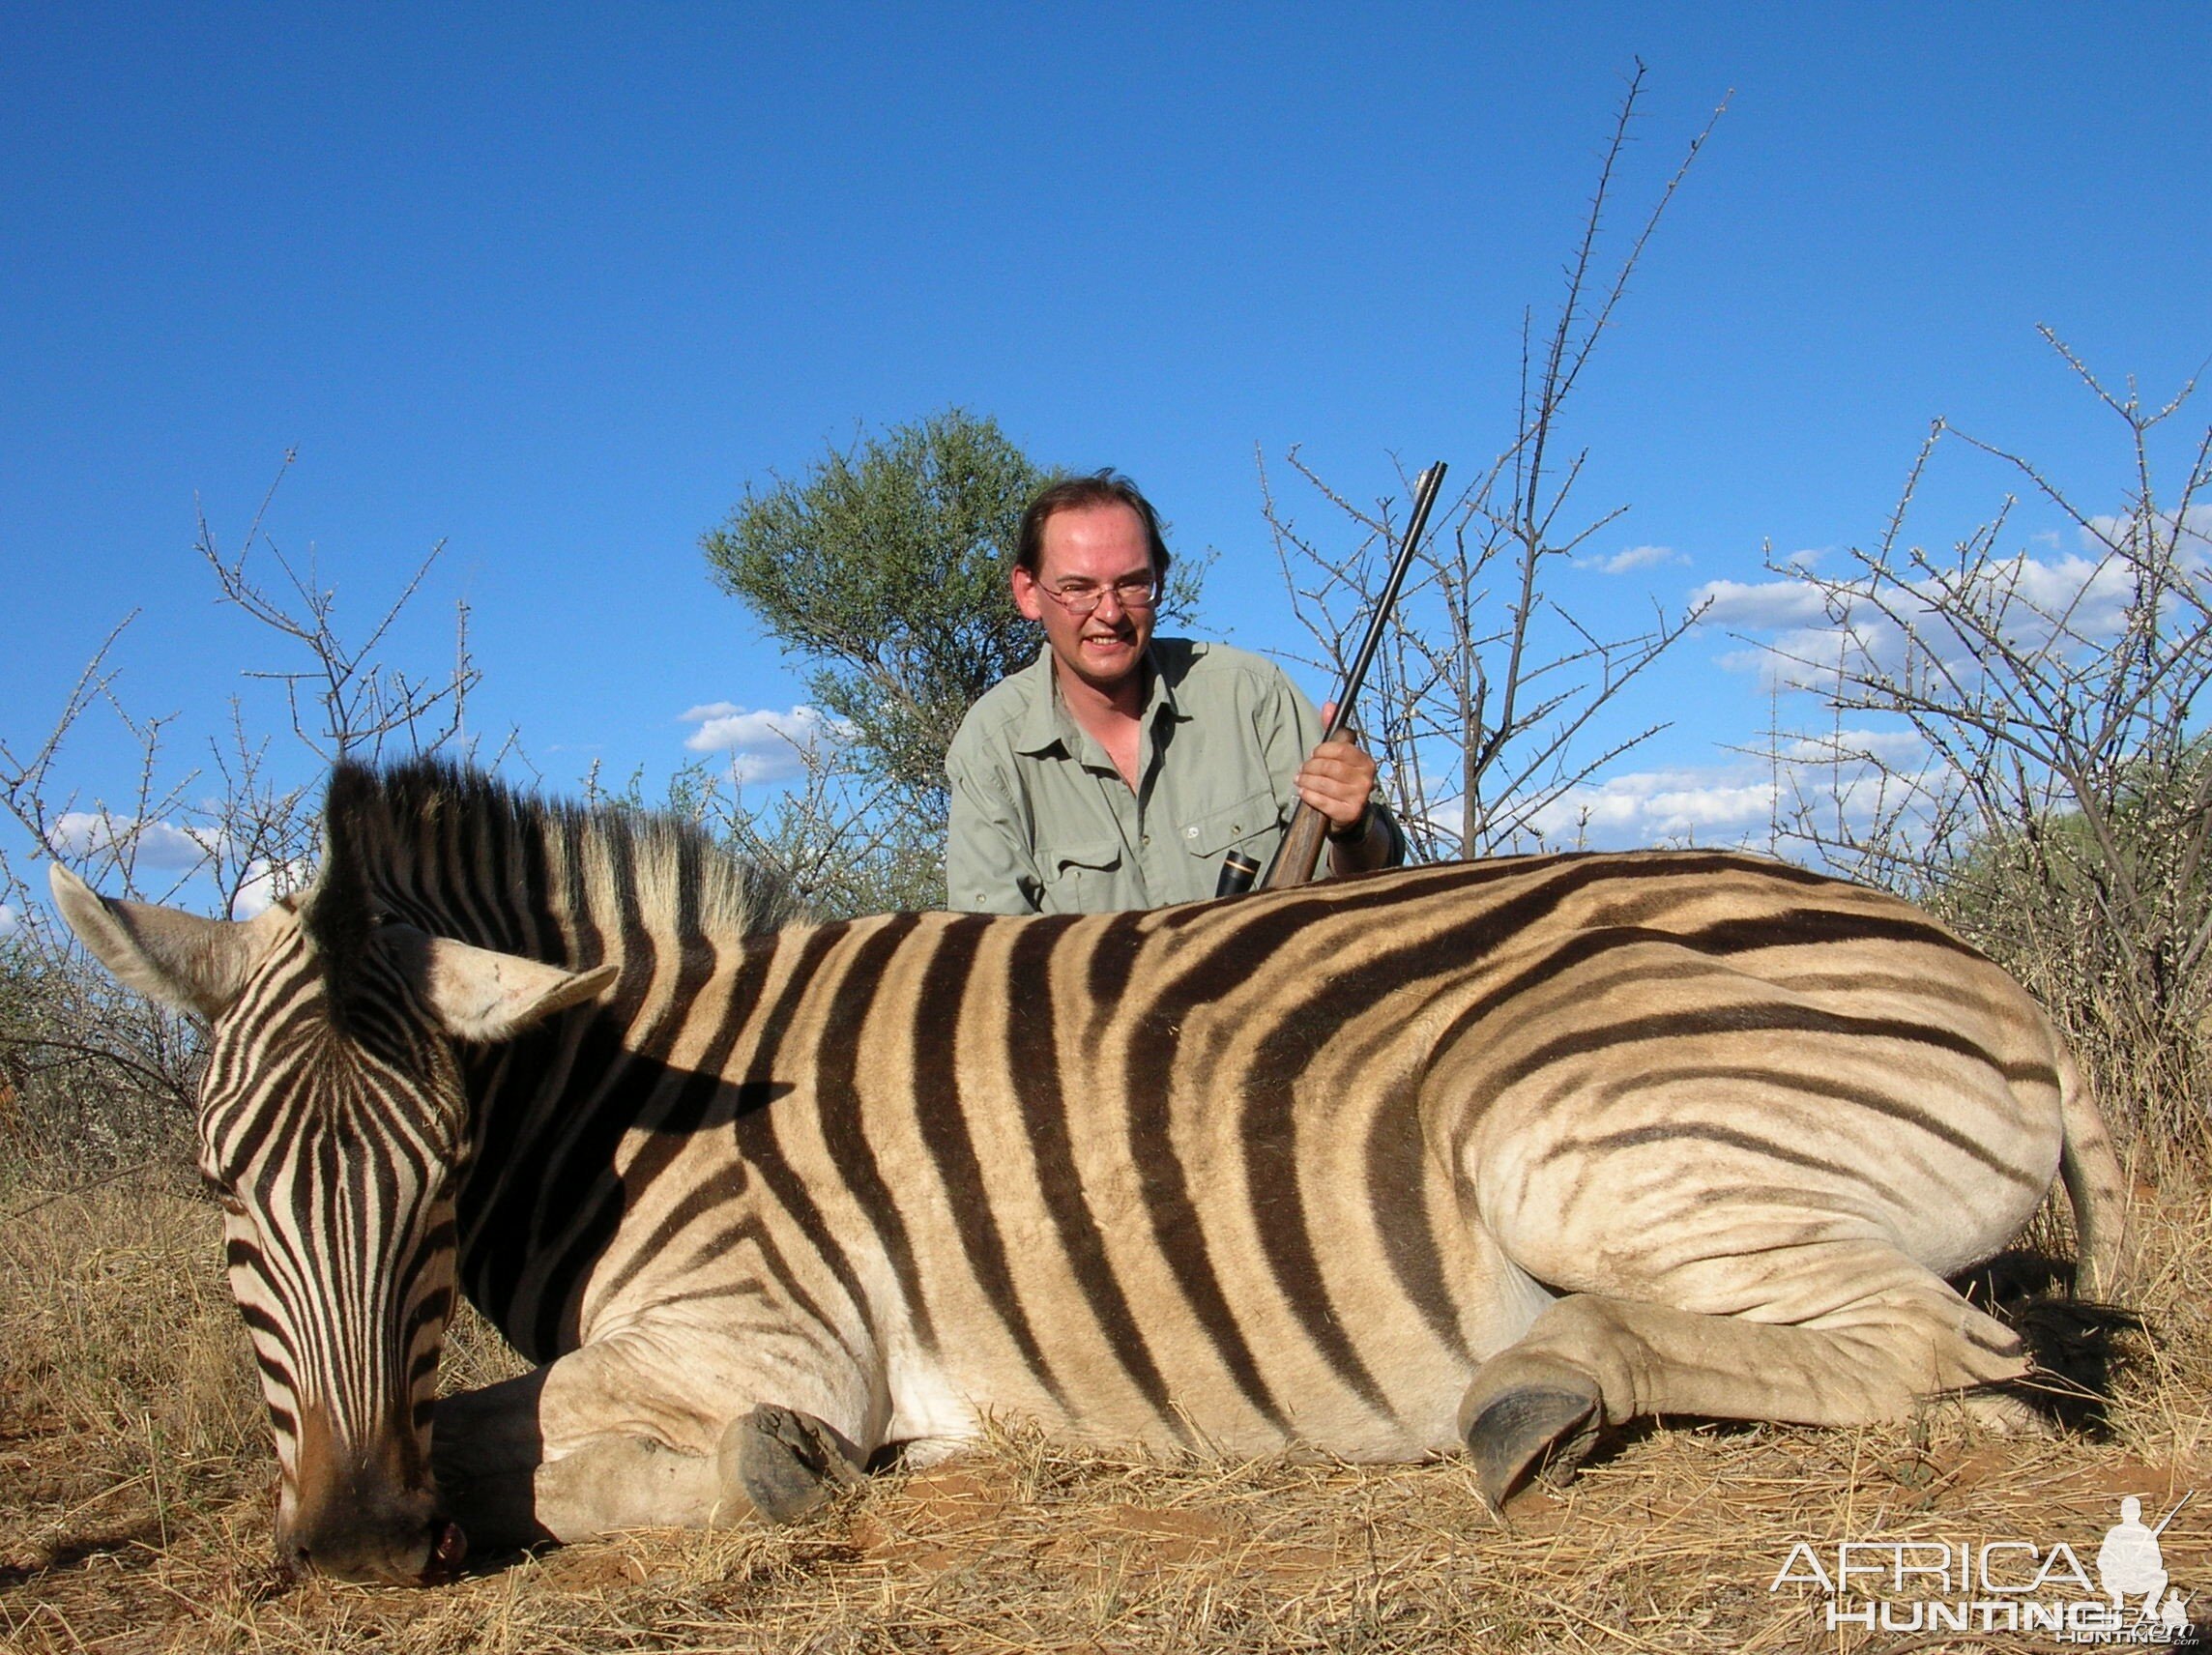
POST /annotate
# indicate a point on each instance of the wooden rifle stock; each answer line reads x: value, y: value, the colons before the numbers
x: 1300, y: 850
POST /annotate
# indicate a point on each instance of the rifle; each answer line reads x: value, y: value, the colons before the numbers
x: 1300, y: 849
x: 2171, y: 1515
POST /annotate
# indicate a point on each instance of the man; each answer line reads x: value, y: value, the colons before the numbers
x: 1120, y: 769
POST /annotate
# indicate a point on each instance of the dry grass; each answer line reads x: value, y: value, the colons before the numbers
x: 135, y: 1509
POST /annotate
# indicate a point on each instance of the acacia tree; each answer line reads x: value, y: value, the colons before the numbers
x: 885, y: 567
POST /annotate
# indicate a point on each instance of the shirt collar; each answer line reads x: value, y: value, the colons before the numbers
x: 1045, y: 722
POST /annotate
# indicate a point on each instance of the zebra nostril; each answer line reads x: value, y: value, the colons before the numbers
x: 449, y: 1547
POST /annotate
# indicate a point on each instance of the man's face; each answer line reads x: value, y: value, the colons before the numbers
x: 1090, y: 550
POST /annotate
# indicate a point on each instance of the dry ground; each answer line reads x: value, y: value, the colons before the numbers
x: 134, y: 1503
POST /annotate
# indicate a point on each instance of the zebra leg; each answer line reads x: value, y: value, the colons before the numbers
x: 1591, y: 1361
x: 589, y: 1444
x: 507, y: 1486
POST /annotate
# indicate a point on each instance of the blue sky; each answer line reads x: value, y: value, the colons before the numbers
x: 552, y: 287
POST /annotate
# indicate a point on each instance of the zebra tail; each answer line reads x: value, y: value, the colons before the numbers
x: 2094, y: 1187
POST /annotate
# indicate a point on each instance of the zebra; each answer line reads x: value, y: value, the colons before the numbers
x: 1485, y: 1158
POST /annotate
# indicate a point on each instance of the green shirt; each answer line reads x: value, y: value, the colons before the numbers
x: 1042, y: 823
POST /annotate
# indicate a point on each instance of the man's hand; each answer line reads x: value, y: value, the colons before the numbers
x: 1337, y: 779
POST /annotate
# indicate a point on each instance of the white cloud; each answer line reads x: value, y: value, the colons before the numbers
x: 264, y: 882
x: 764, y: 745
x: 1743, y: 802
x: 2194, y: 526
x: 10, y: 919
x: 1646, y: 806
x: 2035, y: 605
x: 1893, y: 747
x: 1634, y: 558
x: 1762, y: 604
x: 1447, y: 819
x: 158, y: 845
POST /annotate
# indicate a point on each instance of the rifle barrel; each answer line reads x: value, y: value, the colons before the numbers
x: 1296, y: 856
x: 2171, y: 1515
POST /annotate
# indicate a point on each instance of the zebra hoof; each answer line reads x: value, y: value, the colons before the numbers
x: 787, y: 1462
x: 1547, y: 1427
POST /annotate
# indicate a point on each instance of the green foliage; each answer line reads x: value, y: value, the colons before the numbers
x: 2104, y: 916
x: 885, y: 566
x: 2057, y: 805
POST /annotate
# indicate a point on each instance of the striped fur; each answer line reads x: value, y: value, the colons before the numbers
x: 1488, y: 1155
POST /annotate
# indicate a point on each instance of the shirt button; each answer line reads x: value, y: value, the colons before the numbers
x: 1144, y: 839
x: 1191, y: 832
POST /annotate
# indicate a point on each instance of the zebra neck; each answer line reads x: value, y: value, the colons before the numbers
x: 553, y: 1162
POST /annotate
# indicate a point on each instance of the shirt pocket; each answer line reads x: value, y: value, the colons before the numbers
x: 1254, y: 817
x: 1079, y: 879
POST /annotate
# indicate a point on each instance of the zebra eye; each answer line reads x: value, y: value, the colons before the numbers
x: 221, y: 1196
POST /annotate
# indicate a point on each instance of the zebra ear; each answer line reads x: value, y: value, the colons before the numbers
x: 181, y: 960
x: 483, y: 995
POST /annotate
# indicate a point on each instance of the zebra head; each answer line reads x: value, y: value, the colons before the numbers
x: 332, y: 1124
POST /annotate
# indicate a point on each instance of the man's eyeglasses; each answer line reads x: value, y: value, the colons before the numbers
x: 1080, y: 598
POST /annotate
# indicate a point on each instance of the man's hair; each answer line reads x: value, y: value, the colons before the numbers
x: 1107, y: 487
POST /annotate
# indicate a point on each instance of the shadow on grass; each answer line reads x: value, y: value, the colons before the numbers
x: 137, y: 1547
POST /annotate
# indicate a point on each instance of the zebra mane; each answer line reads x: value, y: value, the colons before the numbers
x: 461, y: 853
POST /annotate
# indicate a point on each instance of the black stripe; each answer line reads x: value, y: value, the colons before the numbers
x: 1267, y: 1125
x: 433, y: 1308
x: 543, y: 938
x: 1764, y: 1018
x: 837, y: 1100
x: 1703, y: 1132
x: 1397, y: 1165
x: 261, y: 1322
x: 1819, y: 928
x: 1114, y: 950
x: 1033, y: 1059
x: 497, y: 874
x: 1807, y: 1085
x: 720, y: 1245
x: 1794, y: 928
x: 1757, y: 1018
x: 945, y: 1132
x: 1172, y: 1213
x: 764, y: 1154
x: 704, y: 1102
